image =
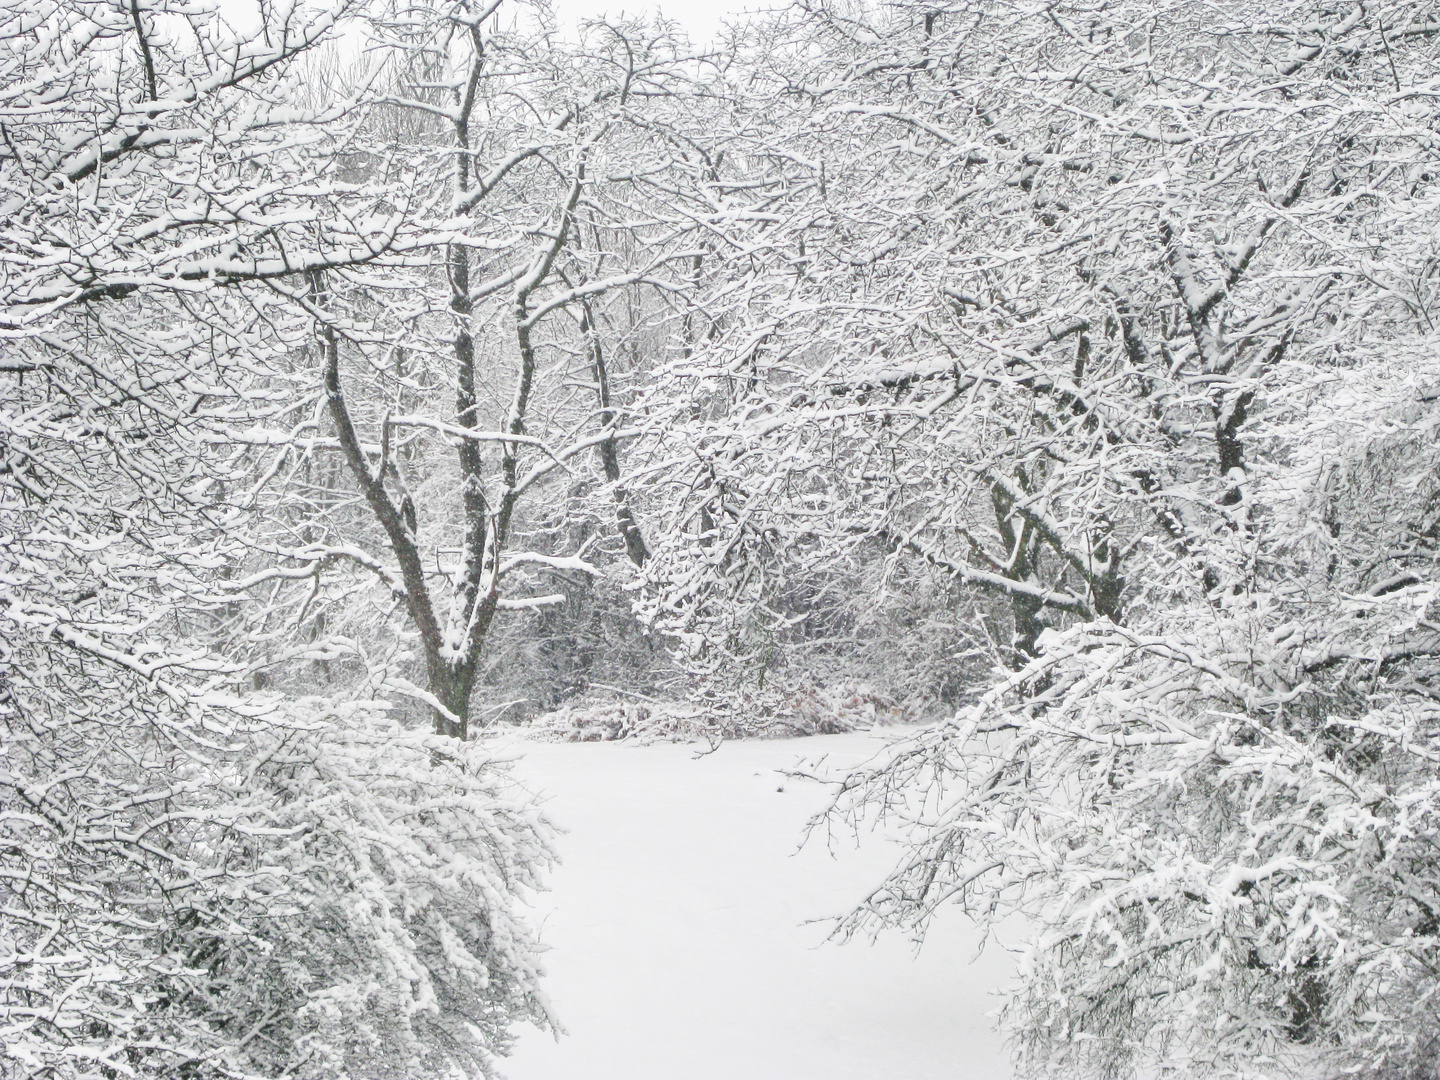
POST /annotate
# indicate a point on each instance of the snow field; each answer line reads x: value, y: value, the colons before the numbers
x: 678, y: 923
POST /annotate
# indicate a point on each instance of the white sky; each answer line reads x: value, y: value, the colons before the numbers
x: 700, y: 17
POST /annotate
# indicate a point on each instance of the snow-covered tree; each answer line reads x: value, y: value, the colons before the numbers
x: 1099, y: 338
x: 193, y: 880
x: 1077, y: 303
x: 475, y: 389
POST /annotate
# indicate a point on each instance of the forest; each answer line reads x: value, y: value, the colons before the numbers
x: 1057, y: 381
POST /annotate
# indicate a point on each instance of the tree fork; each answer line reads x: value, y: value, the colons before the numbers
x: 440, y: 673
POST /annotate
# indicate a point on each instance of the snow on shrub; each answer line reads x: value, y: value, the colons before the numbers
x: 1223, y: 845
x: 820, y: 710
x: 253, y: 887
x: 609, y: 720
x: 740, y: 712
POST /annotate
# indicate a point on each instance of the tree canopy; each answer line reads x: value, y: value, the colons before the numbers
x: 1063, y: 374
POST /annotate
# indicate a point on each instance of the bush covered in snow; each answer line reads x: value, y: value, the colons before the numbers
x: 740, y: 713
x: 218, y: 886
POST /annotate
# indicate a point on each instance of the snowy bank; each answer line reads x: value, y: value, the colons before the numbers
x: 680, y: 944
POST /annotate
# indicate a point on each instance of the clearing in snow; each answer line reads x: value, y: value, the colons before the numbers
x: 680, y: 943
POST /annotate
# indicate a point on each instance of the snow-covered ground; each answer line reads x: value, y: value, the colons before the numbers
x: 680, y: 944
